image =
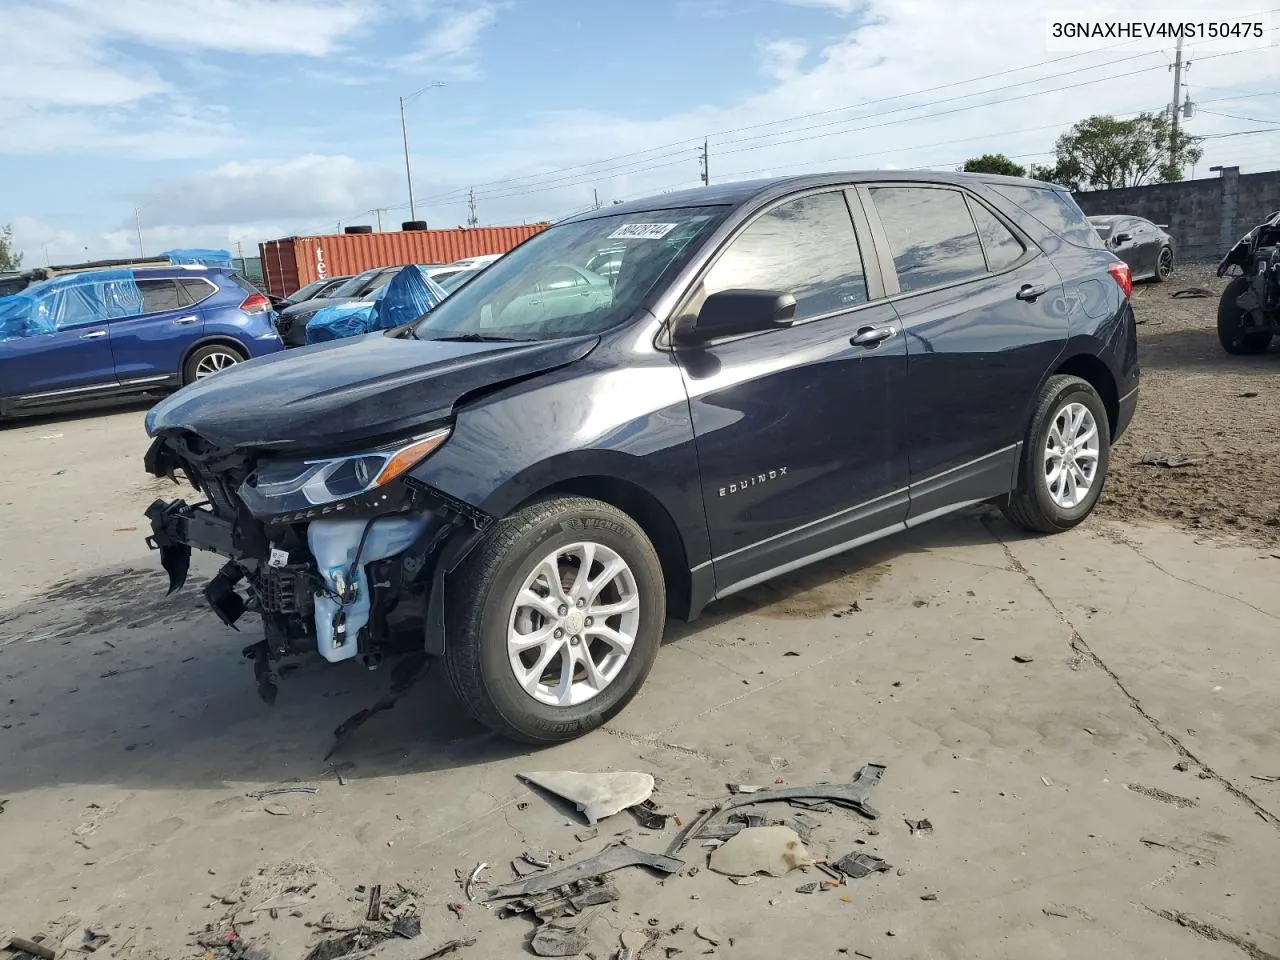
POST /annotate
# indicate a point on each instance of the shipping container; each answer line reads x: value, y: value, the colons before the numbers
x: 293, y: 262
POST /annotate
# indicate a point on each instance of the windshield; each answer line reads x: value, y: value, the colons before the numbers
x: 355, y: 286
x: 306, y: 292
x: 549, y: 287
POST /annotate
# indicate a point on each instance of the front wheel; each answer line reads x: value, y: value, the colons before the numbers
x: 1164, y: 265
x: 1064, y: 458
x: 556, y: 620
x: 1233, y: 333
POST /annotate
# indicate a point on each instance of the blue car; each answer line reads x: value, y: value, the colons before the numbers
x: 129, y: 330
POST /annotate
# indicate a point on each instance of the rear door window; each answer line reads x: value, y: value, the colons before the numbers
x: 931, y: 235
x: 159, y: 296
x: 805, y: 247
x: 1056, y: 210
x: 1002, y: 248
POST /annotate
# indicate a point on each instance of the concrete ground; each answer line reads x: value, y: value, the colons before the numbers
x: 131, y: 734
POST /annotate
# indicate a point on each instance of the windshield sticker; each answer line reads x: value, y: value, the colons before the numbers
x: 642, y: 231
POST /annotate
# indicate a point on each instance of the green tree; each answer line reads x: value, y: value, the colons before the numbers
x: 1103, y: 152
x: 10, y: 259
x: 994, y: 163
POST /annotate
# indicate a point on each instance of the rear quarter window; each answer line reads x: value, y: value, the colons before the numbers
x: 1055, y: 210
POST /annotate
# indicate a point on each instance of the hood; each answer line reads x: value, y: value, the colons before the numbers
x: 308, y: 307
x: 347, y: 391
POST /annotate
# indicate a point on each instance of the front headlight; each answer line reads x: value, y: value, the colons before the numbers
x: 298, y: 486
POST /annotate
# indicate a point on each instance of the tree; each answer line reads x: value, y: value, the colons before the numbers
x: 1103, y: 152
x: 994, y: 163
x: 10, y: 259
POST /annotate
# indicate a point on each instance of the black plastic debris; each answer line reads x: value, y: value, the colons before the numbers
x: 809, y: 888
x: 1019, y: 658
x: 569, y: 899
x: 1173, y: 462
x: 375, y: 903
x: 563, y: 938
x: 650, y: 816
x: 453, y: 946
x: 919, y: 828
x: 855, y: 866
x: 616, y: 856
x: 1191, y: 293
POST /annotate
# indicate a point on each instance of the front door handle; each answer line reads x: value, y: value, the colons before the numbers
x: 1031, y: 293
x: 872, y: 336
x: 185, y: 321
x: 93, y: 335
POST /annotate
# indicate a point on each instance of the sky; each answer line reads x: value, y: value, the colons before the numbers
x: 230, y: 122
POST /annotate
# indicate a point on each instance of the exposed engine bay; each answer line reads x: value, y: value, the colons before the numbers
x: 1257, y: 254
x: 338, y: 554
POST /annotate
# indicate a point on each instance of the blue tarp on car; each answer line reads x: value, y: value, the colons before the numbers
x: 409, y: 295
x: 208, y: 258
x: 74, y: 300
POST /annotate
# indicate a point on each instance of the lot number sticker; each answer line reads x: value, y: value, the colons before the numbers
x: 642, y: 231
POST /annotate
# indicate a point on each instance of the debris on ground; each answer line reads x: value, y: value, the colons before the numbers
x: 852, y: 795
x: 1182, y: 766
x: 809, y: 887
x: 929, y: 896
x: 562, y: 901
x: 597, y: 795
x: 774, y: 850
x: 33, y: 947
x: 408, y: 670
x: 387, y: 915
x: 277, y: 809
x: 1191, y: 293
x: 1264, y: 778
x: 919, y: 828
x: 1019, y: 658
x: 279, y: 791
x: 582, y: 836
x: 709, y: 934
x: 566, y: 937
x: 650, y: 816
x: 473, y: 879
x: 856, y: 865
x: 1173, y: 462
x: 1155, y: 793
x: 616, y: 856
x: 453, y: 946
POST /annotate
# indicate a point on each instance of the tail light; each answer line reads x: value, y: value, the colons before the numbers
x: 1122, y: 275
x: 256, y: 303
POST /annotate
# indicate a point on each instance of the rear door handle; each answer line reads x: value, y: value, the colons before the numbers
x: 1031, y: 293
x: 93, y: 335
x: 872, y: 336
x: 185, y: 321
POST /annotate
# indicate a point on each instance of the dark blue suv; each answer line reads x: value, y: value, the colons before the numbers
x: 529, y: 479
x: 109, y: 332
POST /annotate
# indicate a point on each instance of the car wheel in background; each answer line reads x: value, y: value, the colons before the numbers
x: 208, y: 360
x: 1064, y: 458
x: 1164, y: 264
x: 1235, y: 337
x: 556, y: 620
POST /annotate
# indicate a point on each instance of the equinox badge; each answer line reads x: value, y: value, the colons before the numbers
x: 755, y: 481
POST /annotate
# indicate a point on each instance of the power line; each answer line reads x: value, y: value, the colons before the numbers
x: 1236, y: 116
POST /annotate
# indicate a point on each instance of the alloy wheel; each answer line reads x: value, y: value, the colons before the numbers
x: 573, y: 624
x: 1071, y: 456
x: 212, y: 363
x: 1165, y: 265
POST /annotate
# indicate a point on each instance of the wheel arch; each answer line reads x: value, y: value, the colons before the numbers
x: 222, y: 339
x: 1094, y: 371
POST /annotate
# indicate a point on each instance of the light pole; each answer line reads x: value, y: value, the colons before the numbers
x: 404, y: 131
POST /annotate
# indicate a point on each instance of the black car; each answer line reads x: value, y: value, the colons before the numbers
x: 1143, y: 245
x: 314, y: 289
x: 526, y: 487
x: 1249, y: 309
x: 292, y: 321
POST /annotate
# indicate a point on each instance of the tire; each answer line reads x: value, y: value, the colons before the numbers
x: 1164, y: 265
x: 482, y: 616
x: 219, y: 355
x: 1232, y: 333
x: 1035, y: 506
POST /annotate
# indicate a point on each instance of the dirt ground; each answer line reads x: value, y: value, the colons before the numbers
x: 1088, y: 721
x: 1217, y: 413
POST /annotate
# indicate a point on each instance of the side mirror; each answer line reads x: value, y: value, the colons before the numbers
x: 1120, y: 238
x: 733, y: 312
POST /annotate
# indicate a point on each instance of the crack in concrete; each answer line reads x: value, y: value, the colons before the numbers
x: 1211, y: 932
x: 1082, y: 649
x: 650, y: 740
x: 1192, y: 583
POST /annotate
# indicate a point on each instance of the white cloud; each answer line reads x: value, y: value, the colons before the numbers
x: 782, y: 58
x: 839, y: 6
x: 449, y: 47
x: 310, y: 187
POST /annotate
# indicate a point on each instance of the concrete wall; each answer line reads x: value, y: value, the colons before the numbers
x: 1205, y: 217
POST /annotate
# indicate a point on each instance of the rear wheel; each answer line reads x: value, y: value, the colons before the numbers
x: 1064, y: 458
x: 556, y: 620
x: 208, y: 360
x: 1233, y: 332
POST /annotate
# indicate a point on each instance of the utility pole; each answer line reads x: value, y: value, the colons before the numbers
x: 404, y: 132
x: 705, y: 157
x: 596, y: 194
x: 1175, y: 105
x: 137, y: 225
x: 472, y: 219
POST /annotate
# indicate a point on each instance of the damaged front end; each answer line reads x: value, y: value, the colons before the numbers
x: 337, y: 554
x: 1257, y: 255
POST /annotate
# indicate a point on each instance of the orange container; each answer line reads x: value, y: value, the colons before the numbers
x: 293, y: 262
